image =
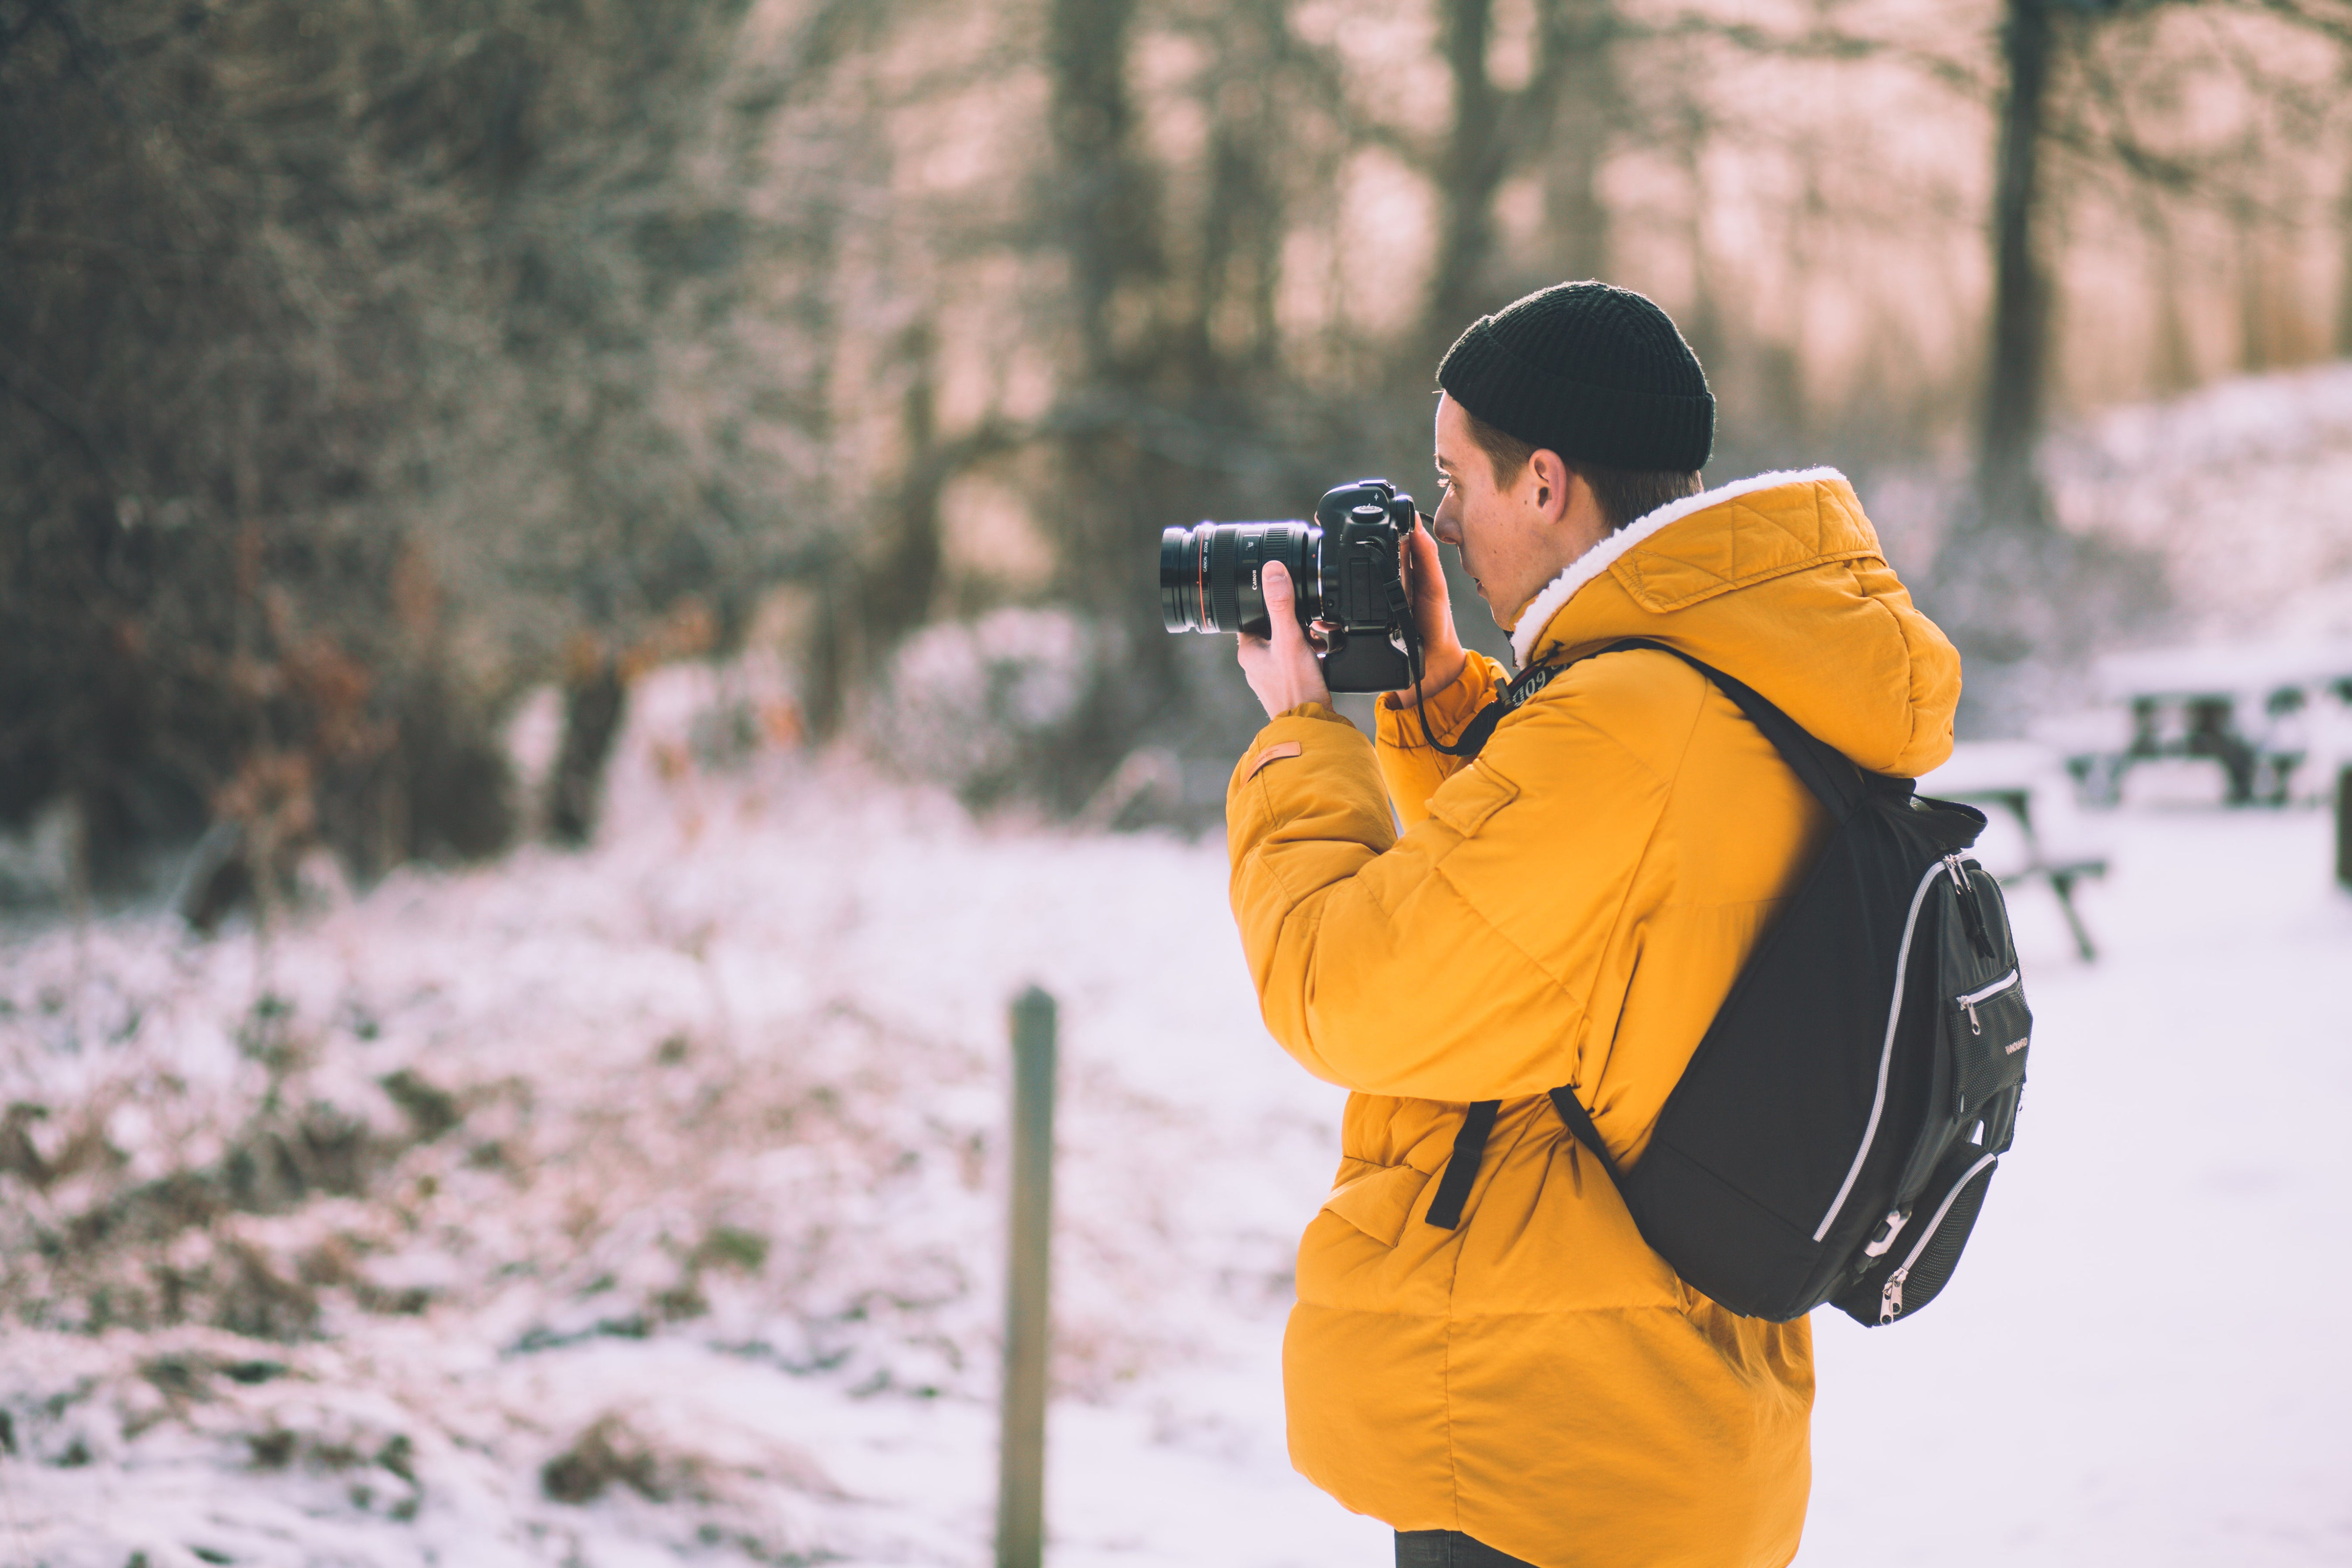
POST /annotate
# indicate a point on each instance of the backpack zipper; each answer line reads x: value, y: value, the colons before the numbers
x: 1968, y: 1004
x: 1890, y: 1298
x: 1949, y: 863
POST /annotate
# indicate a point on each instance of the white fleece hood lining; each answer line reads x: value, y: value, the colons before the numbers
x: 1545, y: 605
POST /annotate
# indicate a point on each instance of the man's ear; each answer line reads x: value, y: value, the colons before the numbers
x: 1550, y: 479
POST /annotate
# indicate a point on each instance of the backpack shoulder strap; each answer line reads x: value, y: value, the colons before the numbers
x: 1822, y: 769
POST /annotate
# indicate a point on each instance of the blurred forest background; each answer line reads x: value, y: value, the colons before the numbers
x: 369, y: 364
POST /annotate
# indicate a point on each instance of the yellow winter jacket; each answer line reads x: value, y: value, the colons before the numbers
x: 1569, y: 908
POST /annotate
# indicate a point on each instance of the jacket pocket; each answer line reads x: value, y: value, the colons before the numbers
x: 1466, y: 801
x: 1379, y: 1200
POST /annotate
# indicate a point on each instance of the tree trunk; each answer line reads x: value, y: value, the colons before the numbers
x: 1240, y: 241
x: 1704, y: 331
x: 2258, y: 350
x: 2344, y: 266
x: 595, y: 697
x: 2008, y: 488
x: 1469, y: 169
x: 1577, y: 75
x: 901, y: 581
x: 1104, y: 218
x: 2175, y: 364
x: 1102, y: 203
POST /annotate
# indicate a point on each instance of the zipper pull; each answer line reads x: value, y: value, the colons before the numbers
x: 1965, y: 894
x: 1974, y: 1027
x: 1890, y: 1300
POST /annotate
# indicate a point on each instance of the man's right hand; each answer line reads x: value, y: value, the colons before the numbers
x: 1282, y: 667
x: 1433, y: 614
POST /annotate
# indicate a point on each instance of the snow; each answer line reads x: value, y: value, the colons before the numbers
x: 716, y: 1209
x: 2136, y: 1361
x: 2254, y: 669
x: 643, y: 1206
x: 2242, y: 489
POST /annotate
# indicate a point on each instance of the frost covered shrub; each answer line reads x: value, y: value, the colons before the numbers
x: 293, y: 1167
x: 992, y: 707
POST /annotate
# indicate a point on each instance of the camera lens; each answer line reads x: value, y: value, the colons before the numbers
x: 1209, y: 574
x: 1184, y: 579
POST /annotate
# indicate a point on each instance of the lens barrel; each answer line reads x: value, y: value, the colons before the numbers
x: 1183, y: 580
x: 1209, y: 574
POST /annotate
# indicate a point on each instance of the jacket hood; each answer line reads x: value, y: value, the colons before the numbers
x: 1779, y: 581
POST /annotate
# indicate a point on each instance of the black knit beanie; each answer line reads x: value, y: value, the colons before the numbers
x: 1595, y: 372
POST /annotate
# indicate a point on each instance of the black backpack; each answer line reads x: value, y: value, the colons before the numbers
x: 1835, y: 1132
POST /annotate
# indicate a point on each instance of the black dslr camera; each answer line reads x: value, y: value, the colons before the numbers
x: 1345, y: 567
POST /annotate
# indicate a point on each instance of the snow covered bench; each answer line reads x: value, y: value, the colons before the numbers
x: 2032, y: 830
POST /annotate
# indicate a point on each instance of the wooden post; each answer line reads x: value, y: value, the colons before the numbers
x: 2344, y: 828
x: 1021, y: 1456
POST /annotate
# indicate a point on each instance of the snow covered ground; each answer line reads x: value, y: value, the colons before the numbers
x: 642, y: 1207
x: 2135, y: 1362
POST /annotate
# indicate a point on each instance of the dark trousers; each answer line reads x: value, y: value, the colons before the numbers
x: 1448, y: 1549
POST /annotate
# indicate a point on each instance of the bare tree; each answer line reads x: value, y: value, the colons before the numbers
x: 1467, y: 168
x: 2008, y: 486
x: 1575, y: 60
x: 1103, y: 194
x: 2344, y: 240
x: 1559, y: 119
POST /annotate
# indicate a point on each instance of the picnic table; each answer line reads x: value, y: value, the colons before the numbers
x: 2260, y: 711
x: 2031, y: 832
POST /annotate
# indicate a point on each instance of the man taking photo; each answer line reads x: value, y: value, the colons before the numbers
x: 1534, y: 1385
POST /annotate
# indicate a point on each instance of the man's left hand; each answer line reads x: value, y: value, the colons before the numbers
x: 1282, y: 670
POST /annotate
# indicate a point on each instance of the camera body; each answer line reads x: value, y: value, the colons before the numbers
x: 1344, y: 564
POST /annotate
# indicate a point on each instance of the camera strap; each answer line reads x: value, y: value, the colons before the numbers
x: 1475, y: 734
x: 1510, y: 700
x: 1472, y: 739
x: 1523, y: 686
